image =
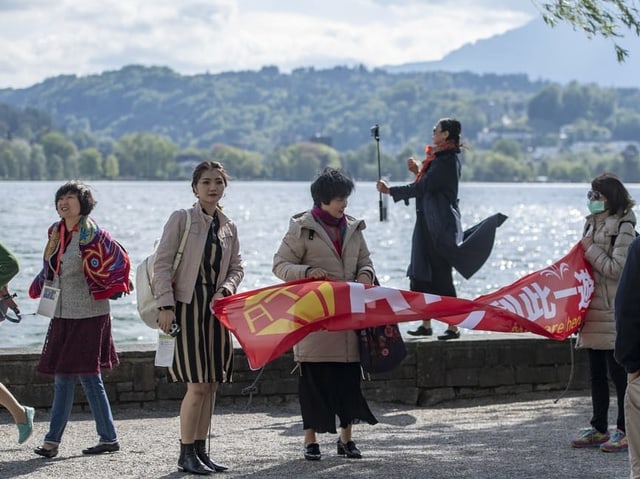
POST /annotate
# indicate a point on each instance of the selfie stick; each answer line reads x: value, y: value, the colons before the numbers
x: 375, y: 132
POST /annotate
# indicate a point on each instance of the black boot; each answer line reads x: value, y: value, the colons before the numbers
x: 199, y: 446
x: 189, y: 462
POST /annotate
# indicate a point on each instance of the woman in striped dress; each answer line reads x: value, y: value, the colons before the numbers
x: 210, y: 268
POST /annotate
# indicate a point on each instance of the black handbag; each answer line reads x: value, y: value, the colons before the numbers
x: 381, y: 348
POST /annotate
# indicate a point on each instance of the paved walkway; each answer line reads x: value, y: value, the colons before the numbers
x: 524, y: 436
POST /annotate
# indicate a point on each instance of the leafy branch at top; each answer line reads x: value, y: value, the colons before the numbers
x: 595, y: 17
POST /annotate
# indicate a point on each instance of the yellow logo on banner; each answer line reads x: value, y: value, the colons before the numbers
x: 279, y: 311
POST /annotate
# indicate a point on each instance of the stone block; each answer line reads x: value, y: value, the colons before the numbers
x: 431, y: 397
x: 143, y: 375
x: 137, y: 396
x: 496, y: 376
x: 171, y: 391
x: 463, y: 377
x: 536, y: 375
x: 284, y: 386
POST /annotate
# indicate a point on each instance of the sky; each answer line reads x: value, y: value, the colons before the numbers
x: 45, y: 38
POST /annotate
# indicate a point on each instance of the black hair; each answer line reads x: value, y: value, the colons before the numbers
x: 454, y: 128
x: 618, y: 198
x: 331, y: 183
x: 82, y: 191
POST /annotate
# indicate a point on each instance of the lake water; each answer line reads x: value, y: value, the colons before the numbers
x: 545, y: 221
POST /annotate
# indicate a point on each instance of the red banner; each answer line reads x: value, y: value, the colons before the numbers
x: 269, y: 321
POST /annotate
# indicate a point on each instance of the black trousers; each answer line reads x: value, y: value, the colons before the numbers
x: 601, y: 361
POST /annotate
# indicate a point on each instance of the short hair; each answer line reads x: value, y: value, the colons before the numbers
x: 207, y: 166
x: 331, y: 183
x: 619, y: 199
x: 82, y: 191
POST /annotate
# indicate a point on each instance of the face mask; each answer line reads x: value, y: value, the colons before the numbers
x: 596, y: 206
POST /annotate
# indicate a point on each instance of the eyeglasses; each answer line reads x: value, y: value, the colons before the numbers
x: 594, y: 195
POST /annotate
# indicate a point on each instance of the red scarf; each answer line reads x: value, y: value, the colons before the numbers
x: 326, y: 221
x: 430, y: 152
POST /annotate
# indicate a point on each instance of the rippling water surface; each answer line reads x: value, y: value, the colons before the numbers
x: 545, y: 221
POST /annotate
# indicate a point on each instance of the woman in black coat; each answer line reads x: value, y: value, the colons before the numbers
x: 437, y: 216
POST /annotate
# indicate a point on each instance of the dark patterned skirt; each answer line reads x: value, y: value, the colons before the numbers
x: 327, y: 390
x: 78, y: 346
x: 204, y: 349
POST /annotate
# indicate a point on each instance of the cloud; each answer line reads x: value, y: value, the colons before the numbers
x: 42, y: 38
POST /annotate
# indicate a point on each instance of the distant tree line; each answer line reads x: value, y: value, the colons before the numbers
x: 153, y: 124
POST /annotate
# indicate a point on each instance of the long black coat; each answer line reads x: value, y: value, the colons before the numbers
x: 438, y: 232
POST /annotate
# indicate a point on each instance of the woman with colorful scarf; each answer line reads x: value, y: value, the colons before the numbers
x: 324, y: 243
x: 86, y: 267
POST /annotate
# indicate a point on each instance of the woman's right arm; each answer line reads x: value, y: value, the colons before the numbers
x: 287, y: 260
x: 162, y: 279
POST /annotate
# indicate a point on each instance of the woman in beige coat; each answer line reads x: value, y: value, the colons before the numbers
x: 608, y: 232
x: 324, y: 243
x: 211, y: 267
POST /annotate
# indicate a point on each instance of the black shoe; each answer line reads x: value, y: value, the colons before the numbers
x: 190, y: 462
x: 44, y: 452
x: 448, y: 334
x: 349, y: 449
x: 101, y: 448
x: 312, y: 452
x: 421, y: 331
x: 199, y: 446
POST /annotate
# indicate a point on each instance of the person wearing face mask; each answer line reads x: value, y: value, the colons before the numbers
x: 608, y: 231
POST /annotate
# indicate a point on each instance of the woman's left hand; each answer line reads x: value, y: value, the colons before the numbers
x: 364, y: 279
x: 586, y: 242
x: 382, y: 187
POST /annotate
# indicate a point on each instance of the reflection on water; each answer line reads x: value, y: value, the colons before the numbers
x: 545, y: 221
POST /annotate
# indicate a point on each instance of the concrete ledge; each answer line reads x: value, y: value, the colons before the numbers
x: 474, y: 366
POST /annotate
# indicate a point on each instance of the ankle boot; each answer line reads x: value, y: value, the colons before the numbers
x: 201, y: 452
x: 189, y: 462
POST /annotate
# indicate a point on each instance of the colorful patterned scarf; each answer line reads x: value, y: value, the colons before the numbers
x: 105, y: 263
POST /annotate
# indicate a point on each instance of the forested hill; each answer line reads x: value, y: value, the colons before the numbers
x: 261, y: 110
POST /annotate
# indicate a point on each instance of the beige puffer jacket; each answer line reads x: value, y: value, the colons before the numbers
x: 612, y: 235
x: 307, y: 244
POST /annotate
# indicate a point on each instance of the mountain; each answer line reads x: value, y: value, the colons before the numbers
x: 558, y: 54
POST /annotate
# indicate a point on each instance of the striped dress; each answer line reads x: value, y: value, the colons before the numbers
x: 204, y: 349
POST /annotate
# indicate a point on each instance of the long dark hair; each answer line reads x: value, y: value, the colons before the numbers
x: 618, y: 198
x: 454, y: 128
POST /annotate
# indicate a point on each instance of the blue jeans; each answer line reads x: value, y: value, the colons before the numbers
x: 63, y: 393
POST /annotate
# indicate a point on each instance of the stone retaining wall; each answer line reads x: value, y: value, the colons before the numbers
x: 434, y: 371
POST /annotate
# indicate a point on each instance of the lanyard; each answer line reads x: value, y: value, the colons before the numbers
x: 65, y: 239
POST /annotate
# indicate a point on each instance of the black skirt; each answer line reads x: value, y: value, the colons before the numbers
x: 327, y: 390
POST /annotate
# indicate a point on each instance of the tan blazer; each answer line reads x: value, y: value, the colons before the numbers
x: 169, y: 288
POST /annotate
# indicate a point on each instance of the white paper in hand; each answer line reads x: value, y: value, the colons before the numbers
x: 164, y: 352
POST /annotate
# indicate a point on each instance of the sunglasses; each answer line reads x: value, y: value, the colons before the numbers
x: 594, y: 195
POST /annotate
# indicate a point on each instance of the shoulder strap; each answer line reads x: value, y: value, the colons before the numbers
x: 183, y: 241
